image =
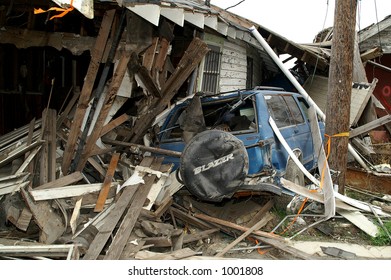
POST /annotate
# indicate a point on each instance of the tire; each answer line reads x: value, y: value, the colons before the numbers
x: 214, y: 165
x: 294, y: 174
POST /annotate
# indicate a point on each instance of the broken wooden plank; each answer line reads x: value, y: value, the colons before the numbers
x: 163, y: 206
x: 187, y: 218
x: 153, y: 150
x: 20, y: 151
x: 62, y: 181
x: 257, y: 226
x: 96, y: 58
x: 66, y: 251
x: 259, y: 215
x: 68, y: 191
x: 47, y: 161
x: 24, y: 219
x: 13, y: 188
x: 108, y: 101
x: 47, y: 219
x: 359, y: 220
x: 316, y: 196
x: 133, y: 245
x: 104, y: 191
x: 235, y: 226
x: 192, y: 57
x: 369, y: 126
x: 112, y: 218
x: 114, y: 123
x: 28, y: 160
x: 61, y: 118
x: 130, y: 218
x: 194, y: 237
x: 326, y: 183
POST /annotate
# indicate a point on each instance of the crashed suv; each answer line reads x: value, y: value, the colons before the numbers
x: 227, y: 143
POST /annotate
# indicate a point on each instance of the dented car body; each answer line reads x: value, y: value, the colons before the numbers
x: 227, y: 142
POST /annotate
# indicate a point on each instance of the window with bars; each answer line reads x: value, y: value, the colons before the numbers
x: 211, y: 73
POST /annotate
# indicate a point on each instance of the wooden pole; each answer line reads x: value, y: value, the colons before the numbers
x: 340, y: 87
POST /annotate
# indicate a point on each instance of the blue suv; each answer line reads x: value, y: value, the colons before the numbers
x: 227, y: 143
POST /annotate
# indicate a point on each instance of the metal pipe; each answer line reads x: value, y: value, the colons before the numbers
x: 299, y: 88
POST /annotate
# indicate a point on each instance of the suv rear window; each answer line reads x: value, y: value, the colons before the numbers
x: 217, y: 115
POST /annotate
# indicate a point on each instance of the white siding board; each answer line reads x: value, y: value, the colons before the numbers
x: 233, y: 68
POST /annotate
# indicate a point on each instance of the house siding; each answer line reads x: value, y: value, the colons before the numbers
x: 233, y: 67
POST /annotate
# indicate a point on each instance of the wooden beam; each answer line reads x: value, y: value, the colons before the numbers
x: 67, y: 191
x: 96, y: 58
x: 122, y: 235
x: 369, y: 126
x: 109, y: 99
x: 149, y: 55
x: 114, y: 123
x: 112, y: 218
x: 48, y: 221
x: 190, y: 60
x: 62, y: 181
x: 258, y: 225
x: 107, y: 183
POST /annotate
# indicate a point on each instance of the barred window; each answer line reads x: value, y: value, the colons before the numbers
x: 211, y: 73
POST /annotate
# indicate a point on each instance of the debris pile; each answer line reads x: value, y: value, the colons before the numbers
x: 77, y: 184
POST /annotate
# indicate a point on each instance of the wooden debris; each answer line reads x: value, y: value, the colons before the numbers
x: 50, y: 223
x: 96, y: 58
x: 107, y: 183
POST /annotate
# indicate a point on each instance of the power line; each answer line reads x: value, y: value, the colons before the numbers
x: 235, y: 5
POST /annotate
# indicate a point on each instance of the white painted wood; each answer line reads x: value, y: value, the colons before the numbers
x: 13, y: 188
x: 359, y: 220
x: 154, y: 192
x: 195, y: 19
x: 315, y: 196
x: 125, y: 90
x: 148, y: 12
x: 28, y: 160
x: 231, y: 32
x: 359, y: 100
x: 75, y: 215
x: 67, y: 191
x: 211, y: 21
x: 323, y: 166
x: 222, y: 28
x: 174, y: 14
x: 233, y: 70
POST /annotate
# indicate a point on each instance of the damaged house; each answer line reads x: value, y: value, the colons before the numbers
x: 82, y: 86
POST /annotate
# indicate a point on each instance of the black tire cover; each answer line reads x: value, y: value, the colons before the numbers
x: 214, y: 165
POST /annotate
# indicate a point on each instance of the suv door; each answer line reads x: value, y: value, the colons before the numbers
x: 293, y: 125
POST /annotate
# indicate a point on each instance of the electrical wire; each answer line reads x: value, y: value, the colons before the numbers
x: 320, y: 45
x: 235, y: 5
x: 378, y: 27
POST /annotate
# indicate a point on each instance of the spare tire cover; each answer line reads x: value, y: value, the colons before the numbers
x: 214, y: 165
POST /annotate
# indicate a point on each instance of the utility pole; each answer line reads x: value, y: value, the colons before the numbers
x: 340, y: 88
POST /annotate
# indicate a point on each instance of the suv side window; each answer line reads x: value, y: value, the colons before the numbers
x: 294, y: 109
x: 284, y: 110
x: 278, y: 110
x: 304, y: 106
